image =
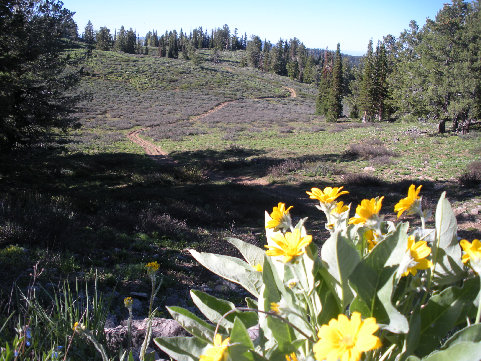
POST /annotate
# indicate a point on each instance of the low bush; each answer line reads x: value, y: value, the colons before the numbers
x: 472, y: 176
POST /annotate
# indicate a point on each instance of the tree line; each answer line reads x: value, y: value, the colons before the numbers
x: 170, y: 44
x: 431, y: 73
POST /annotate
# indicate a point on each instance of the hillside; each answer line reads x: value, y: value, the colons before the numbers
x: 226, y: 142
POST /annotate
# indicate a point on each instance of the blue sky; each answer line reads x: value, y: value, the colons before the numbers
x: 318, y: 24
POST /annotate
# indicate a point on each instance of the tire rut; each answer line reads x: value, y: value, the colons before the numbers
x: 161, y: 156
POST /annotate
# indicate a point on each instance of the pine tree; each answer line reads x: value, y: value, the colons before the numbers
x: 89, y: 34
x: 121, y: 40
x: 336, y: 91
x: 104, y: 39
x: 254, y: 48
x: 367, y: 105
x: 381, y: 91
x: 325, y: 83
x: 34, y: 75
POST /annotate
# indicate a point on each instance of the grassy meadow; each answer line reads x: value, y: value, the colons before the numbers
x: 89, y: 201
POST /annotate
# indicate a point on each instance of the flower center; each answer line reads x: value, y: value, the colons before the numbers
x: 348, y: 341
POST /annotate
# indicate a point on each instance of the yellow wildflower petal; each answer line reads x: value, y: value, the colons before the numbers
x: 258, y: 267
x: 328, y: 195
x: 345, y: 339
x: 368, y: 209
x: 407, y: 203
x: 279, y: 216
x: 289, y: 245
x: 217, y: 352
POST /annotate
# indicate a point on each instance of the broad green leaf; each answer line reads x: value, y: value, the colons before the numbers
x: 468, y: 334
x: 252, y: 254
x: 193, y: 324
x: 181, y: 348
x: 330, y: 304
x: 374, y: 280
x: 462, y: 351
x: 240, y: 335
x: 232, y: 269
x: 444, y: 312
x: 214, y: 308
x: 340, y: 259
x: 273, y: 291
x: 448, y: 267
x: 251, y: 303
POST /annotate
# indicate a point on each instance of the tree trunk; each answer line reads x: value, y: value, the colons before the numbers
x: 442, y: 126
x: 455, y: 124
x: 364, y: 116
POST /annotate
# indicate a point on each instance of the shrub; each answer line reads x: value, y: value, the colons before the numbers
x: 472, y: 176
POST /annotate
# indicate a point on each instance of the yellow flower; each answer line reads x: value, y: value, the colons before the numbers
x: 289, y: 245
x: 128, y: 301
x: 367, y: 210
x: 152, y: 267
x: 328, y: 195
x: 275, y: 307
x: 291, y: 357
x: 346, y: 340
x: 258, y: 267
x: 217, y: 352
x: 472, y: 251
x: 340, y: 208
x: 418, y: 251
x: 408, y: 203
x: 280, y: 216
x: 78, y: 326
x: 371, y: 238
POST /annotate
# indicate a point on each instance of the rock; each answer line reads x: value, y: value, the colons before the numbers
x: 137, y: 306
x: 111, y: 321
x: 369, y: 169
x: 474, y: 212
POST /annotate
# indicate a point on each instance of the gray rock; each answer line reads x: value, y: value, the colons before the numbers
x: 161, y: 327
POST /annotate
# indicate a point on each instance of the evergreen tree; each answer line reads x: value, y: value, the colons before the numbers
x: 325, y: 83
x: 121, y: 40
x: 33, y: 72
x: 367, y: 87
x: 103, y: 39
x: 89, y: 34
x: 130, y: 42
x: 278, y: 60
x: 254, y: 48
x: 336, y: 91
x: 381, y: 73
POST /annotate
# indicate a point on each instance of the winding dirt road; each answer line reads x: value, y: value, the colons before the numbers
x: 160, y: 155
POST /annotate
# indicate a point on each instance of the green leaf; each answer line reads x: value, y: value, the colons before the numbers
x: 273, y: 291
x: 374, y: 280
x: 462, y: 351
x: 340, y: 259
x: 448, y: 267
x: 251, y: 303
x: 192, y: 323
x: 181, y: 348
x: 239, y: 334
x: 214, y: 308
x: 232, y: 269
x: 468, y: 334
x: 253, y: 254
x: 444, y: 312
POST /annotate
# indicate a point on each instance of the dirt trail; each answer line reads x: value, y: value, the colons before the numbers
x: 160, y: 155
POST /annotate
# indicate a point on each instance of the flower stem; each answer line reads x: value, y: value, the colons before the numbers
x: 478, y: 314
